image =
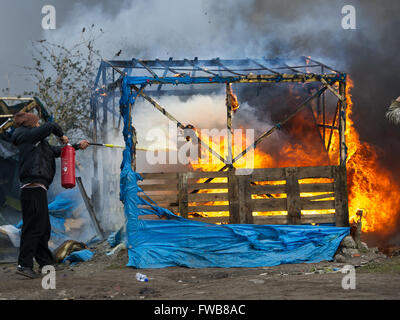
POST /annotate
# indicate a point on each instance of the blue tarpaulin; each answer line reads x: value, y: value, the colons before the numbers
x: 60, y: 209
x: 79, y: 256
x: 175, y: 241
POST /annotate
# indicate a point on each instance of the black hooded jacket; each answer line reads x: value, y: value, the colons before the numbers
x: 36, y: 156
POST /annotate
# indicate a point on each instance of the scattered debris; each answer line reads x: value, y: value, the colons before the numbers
x: 66, y: 248
x: 257, y: 281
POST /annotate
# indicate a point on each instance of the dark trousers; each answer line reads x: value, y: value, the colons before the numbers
x: 36, y: 228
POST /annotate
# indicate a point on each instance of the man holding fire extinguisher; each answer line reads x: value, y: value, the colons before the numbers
x: 37, y: 168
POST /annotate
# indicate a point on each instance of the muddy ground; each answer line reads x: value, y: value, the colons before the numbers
x: 107, y: 277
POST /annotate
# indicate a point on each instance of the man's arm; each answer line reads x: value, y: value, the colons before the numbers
x: 82, y: 145
x: 39, y: 133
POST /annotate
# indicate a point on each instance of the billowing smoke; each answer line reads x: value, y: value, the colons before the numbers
x: 239, y: 29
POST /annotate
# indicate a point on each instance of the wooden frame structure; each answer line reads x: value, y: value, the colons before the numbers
x: 283, y: 191
x: 136, y: 78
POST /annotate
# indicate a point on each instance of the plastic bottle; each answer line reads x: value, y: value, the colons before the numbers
x: 141, y: 277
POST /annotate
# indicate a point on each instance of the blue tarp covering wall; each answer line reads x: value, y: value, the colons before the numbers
x: 175, y: 241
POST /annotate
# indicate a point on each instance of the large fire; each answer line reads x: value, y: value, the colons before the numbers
x: 371, y: 187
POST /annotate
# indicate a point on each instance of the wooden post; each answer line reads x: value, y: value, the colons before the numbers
x: 324, y: 114
x: 342, y: 124
x: 233, y: 197
x: 293, y: 196
x: 244, y: 197
x: 229, y: 116
x: 183, y: 194
x: 341, y: 198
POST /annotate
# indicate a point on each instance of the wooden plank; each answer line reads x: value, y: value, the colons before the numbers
x: 206, y: 174
x: 183, y: 194
x: 268, y: 174
x: 278, y: 219
x: 216, y: 208
x: 268, y: 188
x: 161, y: 198
x: 341, y: 198
x: 159, y: 187
x: 316, y: 187
x: 318, y: 218
x: 305, y: 218
x: 211, y: 219
x: 269, y: 204
x: 293, y: 196
x: 197, y: 197
x: 314, y: 172
x: 159, y: 175
x: 206, y: 186
x: 173, y: 209
x: 317, y: 205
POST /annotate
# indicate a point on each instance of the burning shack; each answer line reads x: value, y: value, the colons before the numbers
x: 229, y: 190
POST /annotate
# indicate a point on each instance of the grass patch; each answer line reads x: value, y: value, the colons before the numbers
x: 390, y: 265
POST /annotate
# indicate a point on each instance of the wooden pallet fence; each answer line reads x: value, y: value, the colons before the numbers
x: 249, y: 198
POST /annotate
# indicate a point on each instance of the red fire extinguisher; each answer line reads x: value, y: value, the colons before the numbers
x: 68, y: 167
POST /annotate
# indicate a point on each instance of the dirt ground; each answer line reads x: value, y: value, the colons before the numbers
x: 107, y: 277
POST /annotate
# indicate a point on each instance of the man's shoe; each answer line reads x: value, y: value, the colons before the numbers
x: 27, y: 272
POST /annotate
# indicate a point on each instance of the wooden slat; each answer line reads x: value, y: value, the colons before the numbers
x: 278, y: 219
x: 205, y: 186
x: 316, y: 187
x: 268, y: 174
x: 208, y: 208
x: 159, y: 175
x: 195, y: 197
x: 159, y: 187
x: 268, y: 188
x: 318, y: 218
x: 164, y: 206
x: 305, y: 219
x: 206, y: 174
x: 159, y: 198
x: 269, y: 204
x: 317, y: 205
x: 315, y: 172
x: 211, y: 219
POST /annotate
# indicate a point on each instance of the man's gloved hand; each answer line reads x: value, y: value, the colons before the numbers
x: 83, y: 144
x: 64, y: 139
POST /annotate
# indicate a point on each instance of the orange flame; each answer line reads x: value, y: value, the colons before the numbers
x: 371, y: 187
